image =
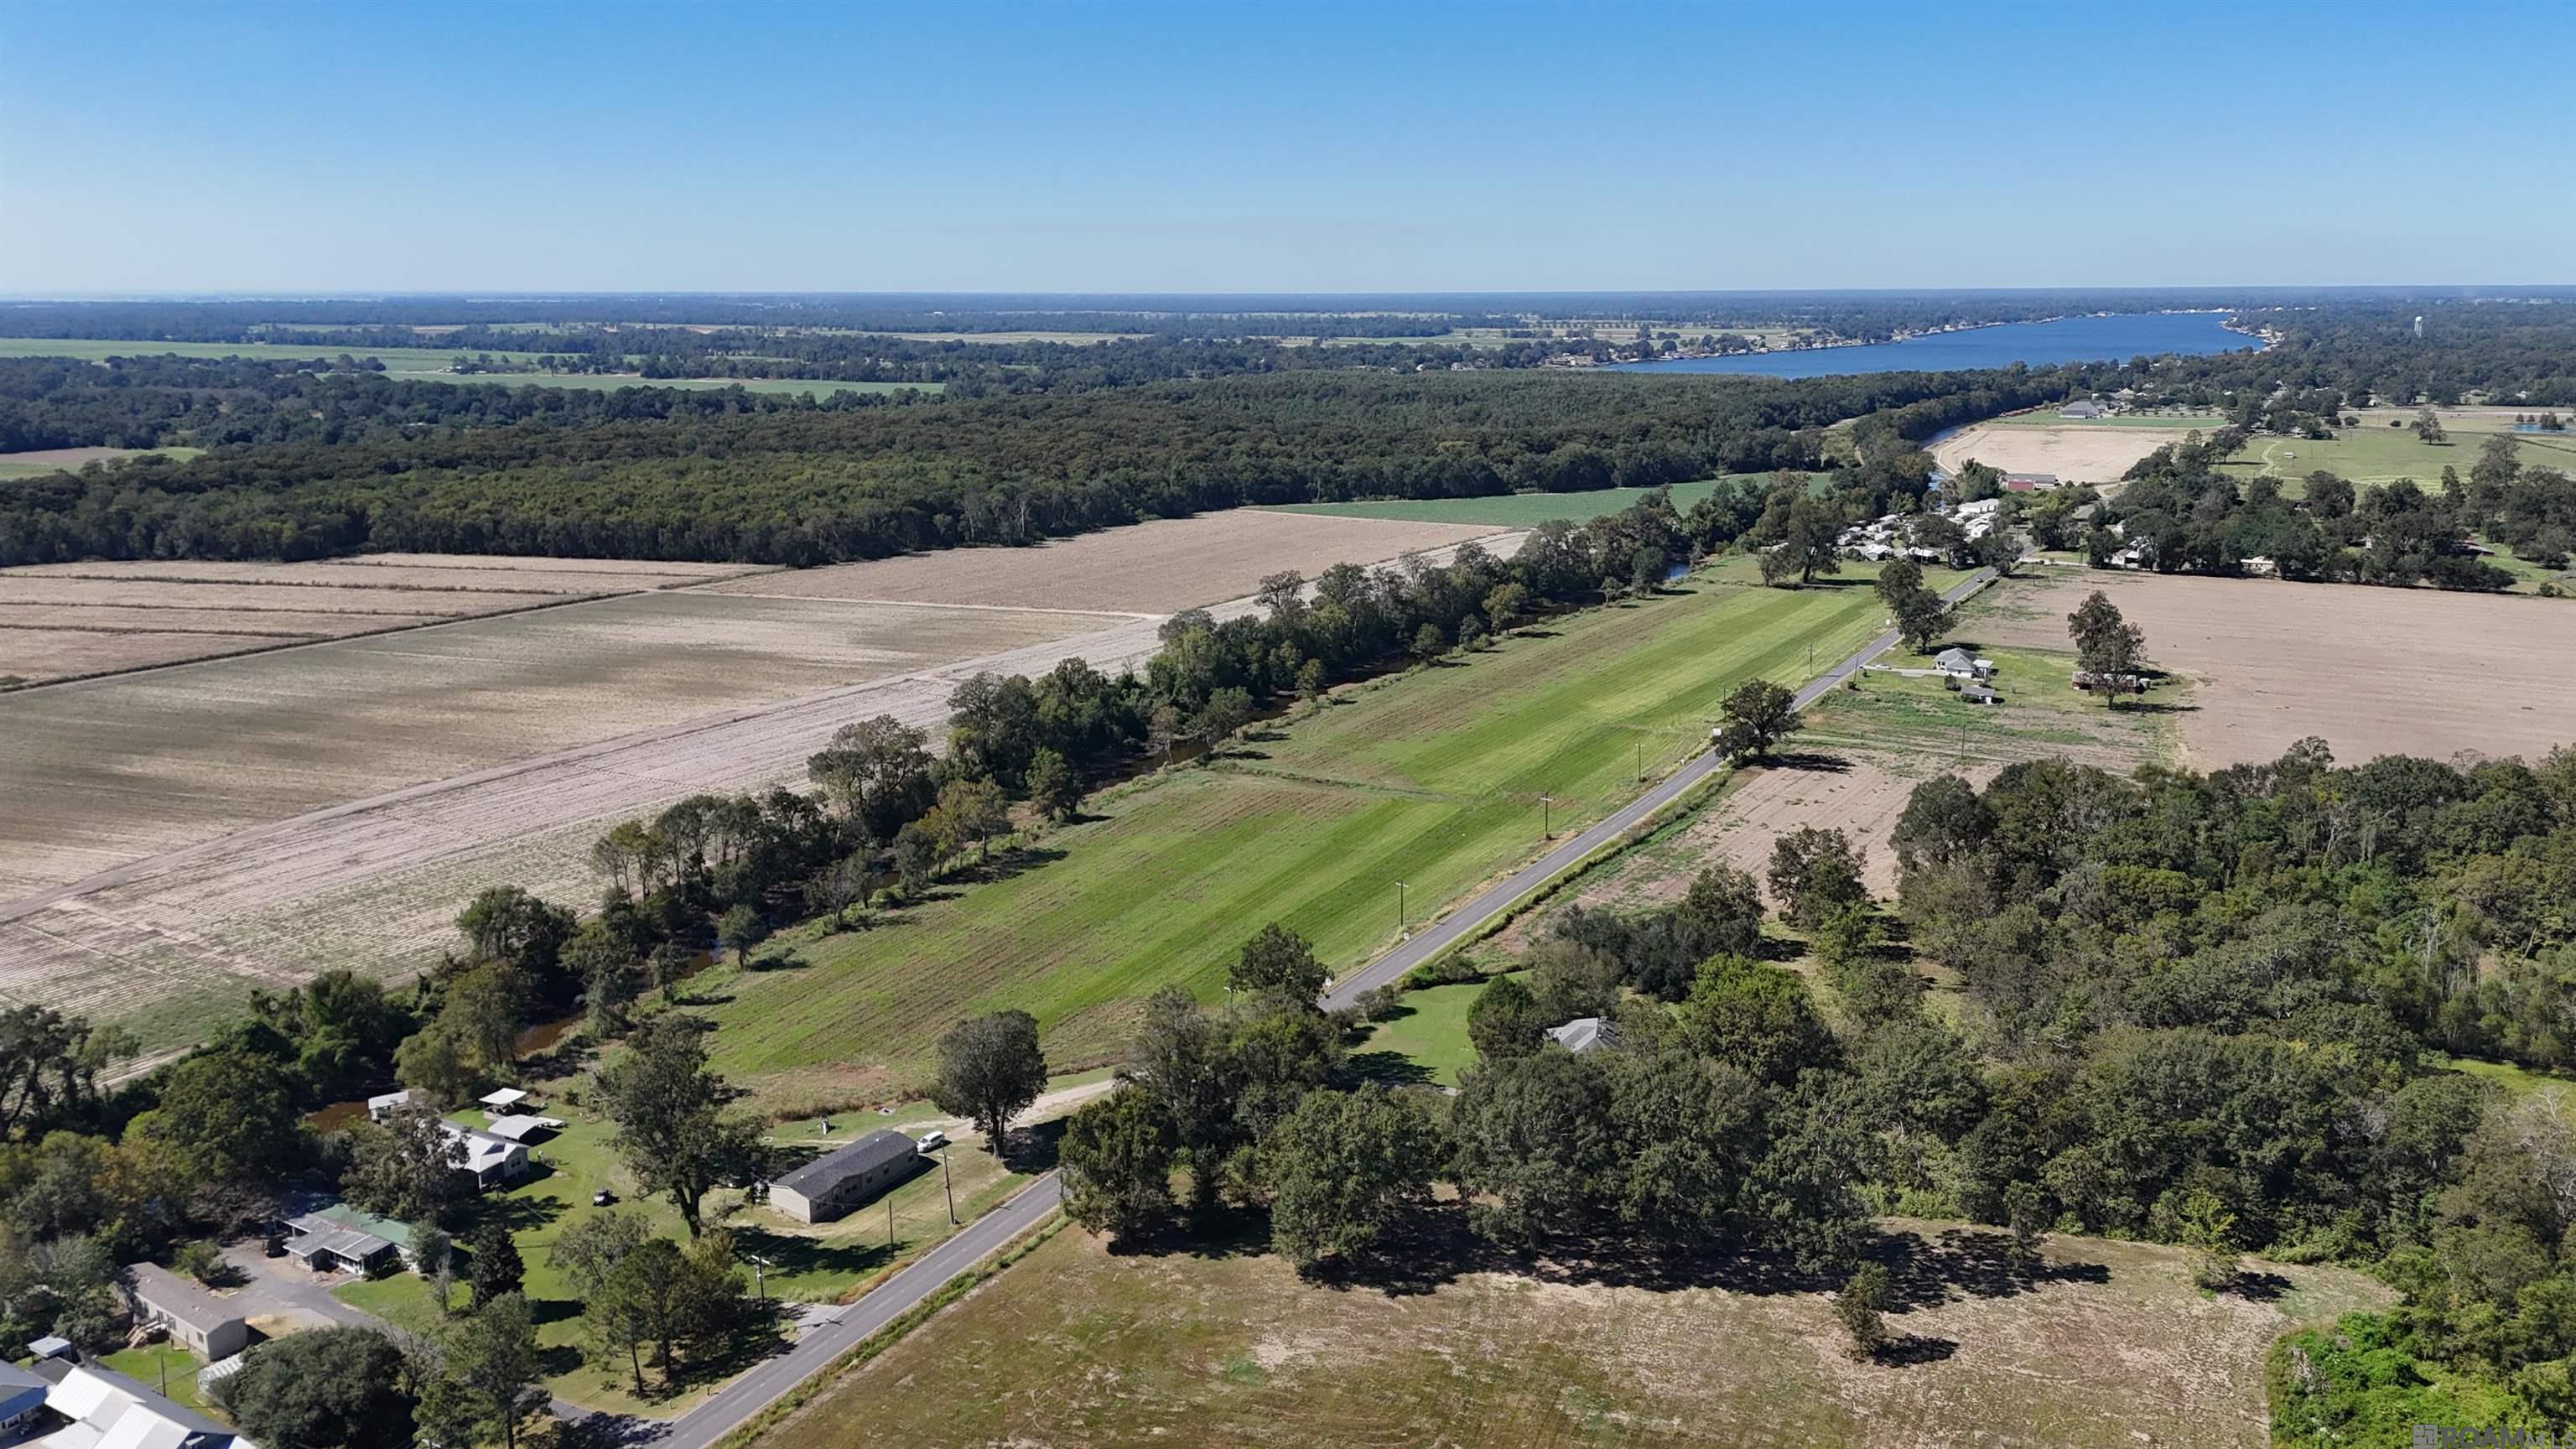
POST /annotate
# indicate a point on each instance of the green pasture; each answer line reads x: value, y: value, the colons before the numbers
x: 427, y: 364
x: 13, y: 467
x: 1428, y: 1041
x: 1519, y: 510
x: 2378, y: 453
x: 1430, y: 778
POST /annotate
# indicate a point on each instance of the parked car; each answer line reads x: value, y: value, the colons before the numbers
x: 933, y: 1140
x: 602, y: 1198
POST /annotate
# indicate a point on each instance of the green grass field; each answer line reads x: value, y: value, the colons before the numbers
x: 1428, y: 1041
x: 147, y: 1364
x: 2378, y: 453
x: 16, y: 466
x: 1515, y: 510
x: 1431, y: 778
x: 818, y: 1263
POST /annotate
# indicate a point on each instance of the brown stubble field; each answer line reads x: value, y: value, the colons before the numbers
x: 2075, y: 453
x: 2373, y: 671
x: 1077, y: 1345
x: 1146, y: 568
x: 228, y: 836
x: 80, y: 620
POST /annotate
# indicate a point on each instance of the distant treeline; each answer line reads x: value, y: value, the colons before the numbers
x: 807, y: 484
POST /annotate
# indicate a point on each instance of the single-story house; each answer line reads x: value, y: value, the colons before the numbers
x: 110, y: 1411
x: 837, y: 1182
x: 204, y: 1324
x: 1583, y: 1034
x: 521, y: 1128
x: 2262, y: 568
x: 1960, y: 664
x: 2084, y: 409
x: 2135, y: 556
x: 1979, y: 509
x: 22, y: 1395
x: 503, y: 1099
x: 492, y: 1160
x: 1975, y: 693
x: 339, y: 1238
x: 380, y: 1108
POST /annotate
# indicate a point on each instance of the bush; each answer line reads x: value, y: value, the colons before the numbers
x: 1380, y: 1003
x: 1447, y: 971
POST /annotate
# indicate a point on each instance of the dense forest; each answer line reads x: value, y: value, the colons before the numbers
x: 810, y: 484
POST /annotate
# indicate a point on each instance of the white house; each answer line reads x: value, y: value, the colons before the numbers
x: 1960, y: 664
x: 493, y: 1160
x: 380, y: 1108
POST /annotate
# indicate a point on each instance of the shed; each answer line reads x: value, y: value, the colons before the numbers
x: 379, y: 1108
x: 2029, y: 482
x: 51, y: 1346
x: 833, y: 1184
x: 21, y: 1395
x: 521, y: 1128
x: 503, y: 1099
x: 1583, y: 1034
x: 1979, y: 694
x: 205, y: 1324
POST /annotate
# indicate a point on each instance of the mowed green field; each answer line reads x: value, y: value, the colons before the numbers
x: 1431, y: 778
x: 1518, y: 510
x: 2377, y: 453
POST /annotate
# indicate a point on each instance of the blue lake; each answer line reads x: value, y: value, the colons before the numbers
x: 2069, y: 339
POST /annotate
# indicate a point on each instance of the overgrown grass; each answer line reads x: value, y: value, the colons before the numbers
x: 1432, y: 779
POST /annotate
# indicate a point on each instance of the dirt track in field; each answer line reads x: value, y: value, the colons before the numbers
x: 1146, y: 568
x: 2373, y: 671
x: 375, y: 883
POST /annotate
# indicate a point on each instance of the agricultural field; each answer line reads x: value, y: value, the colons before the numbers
x: 2374, y: 671
x: 68, y: 621
x: 1077, y: 1346
x: 1431, y: 778
x: 2075, y: 452
x: 687, y: 683
x: 431, y: 364
x: 1144, y: 568
x: 1515, y: 510
x: 39, y: 462
x: 103, y: 771
x: 809, y: 1263
x: 2385, y: 448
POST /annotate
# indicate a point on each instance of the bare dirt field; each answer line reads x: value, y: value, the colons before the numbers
x: 160, y: 931
x: 1146, y: 568
x: 102, y: 771
x: 2106, y: 1346
x: 66, y: 621
x: 2374, y: 671
x: 2074, y: 453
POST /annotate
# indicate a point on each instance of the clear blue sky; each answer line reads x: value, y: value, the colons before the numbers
x: 1249, y: 146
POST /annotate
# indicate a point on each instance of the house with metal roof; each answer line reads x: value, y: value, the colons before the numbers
x: 195, y: 1318
x: 22, y: 1397
x: 839, y: 1181
x: 522, y: 1126
x: 380, y: 1108
x: 493, y: 1161
x: 339, y: 1238
x: 110, y: 1411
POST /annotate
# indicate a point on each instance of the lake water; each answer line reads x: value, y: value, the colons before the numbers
x: 2069, y: 339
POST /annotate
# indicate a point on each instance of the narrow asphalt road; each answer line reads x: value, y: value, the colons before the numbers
x: 763, y: 1386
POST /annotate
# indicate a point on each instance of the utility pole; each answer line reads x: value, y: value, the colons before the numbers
x: 759, y: 1276
x: 950, y: 1187
x: 1641, y: 759
x: 889, y: 1222
x: 1546, y: 829
x: 1399, y: 910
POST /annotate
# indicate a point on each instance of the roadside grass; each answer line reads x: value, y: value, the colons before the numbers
x: 1427, y: 1043
x: 821, y: 1263
x: 1431, y: 778
x: 1517, y: 510
x: 1078, y: 1346
x: 145, y: 1366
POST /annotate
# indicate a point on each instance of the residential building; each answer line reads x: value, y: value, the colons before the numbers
x: 22, y: 1397
x: 341, y: 1239
x: 493, y: 1161
x: 1960, y: 664
x: 195, y: 1319
x: 2029, y: 482
x: 2084, y: 409
x: 1583, y: 1034
x: 838, y: 1182
x: 110, y: 1411
x: 380, y: 1108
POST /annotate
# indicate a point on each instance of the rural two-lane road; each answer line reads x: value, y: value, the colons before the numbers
x: 763, y: 1386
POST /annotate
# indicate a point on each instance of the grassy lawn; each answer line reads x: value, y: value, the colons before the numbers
x: 824, y: 1262
x: 1077, y: 1346
x: 1431, y: 778
x: 147, y: 1364
x: 1516, y: 510
x: 1893, y: 711
x: 1428, y: 1042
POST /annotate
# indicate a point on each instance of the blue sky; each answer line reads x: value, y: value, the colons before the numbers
x: 1277, y: 147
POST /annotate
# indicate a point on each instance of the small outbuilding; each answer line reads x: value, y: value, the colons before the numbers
x: 838, y: 1182
x: 2029, y: 482
x: 204, y: 1324
x: 503, y: 1099
x: 1975, y: 693
x: 380, y: 1108
x: 1583, y: 1034
x: 520, y: 1128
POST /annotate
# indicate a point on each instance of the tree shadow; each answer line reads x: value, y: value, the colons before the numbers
x: 788, y: 960
x: 785, y: 1254
x: 1979, y: 1262
x: 1811, y: 761
x: 1534, y: 633
x: 1393, y: 1068
x: 1032, y: 1148
x: 1913, y: 1349
x: 520, y: 1212
x: 2261, y: 1287
x: 552, y: 1310
x: 1009, y: 864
